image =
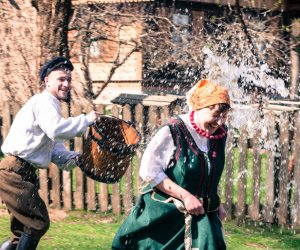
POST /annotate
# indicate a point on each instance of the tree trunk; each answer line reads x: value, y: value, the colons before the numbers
x: 54, y: 16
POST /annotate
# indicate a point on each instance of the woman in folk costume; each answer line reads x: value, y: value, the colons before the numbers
x: 180, y: 207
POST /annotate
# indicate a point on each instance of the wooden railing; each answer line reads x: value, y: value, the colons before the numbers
x: 257, y: 183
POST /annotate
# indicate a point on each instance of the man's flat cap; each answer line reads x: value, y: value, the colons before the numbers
x: 55, y: 63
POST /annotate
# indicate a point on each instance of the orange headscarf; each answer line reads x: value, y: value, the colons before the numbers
x: 206, y: 93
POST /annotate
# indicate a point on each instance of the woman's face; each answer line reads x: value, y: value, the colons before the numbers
x: 210, y: 118
x: 58, y: 83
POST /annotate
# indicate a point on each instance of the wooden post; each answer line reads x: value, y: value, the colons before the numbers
x: 54, y: 177
x: 103, y: 192
x: 67, y: 190
x: 154, y: 118
x: 116, y: 199
x: 103, y: 197
x: 90, y: 192
x: 253, y: 210
x: 242, y: 173
x: 79, y: 181
x: 139, y: 121
x: 283, y: 171
x: 229, y: 173
x: 43, y: 191
x: 165, y: 114
x: 66, y: 175
x: 296, y: 215
x: 128, y: 195
x: 79, y: 178
x: 268, y: 212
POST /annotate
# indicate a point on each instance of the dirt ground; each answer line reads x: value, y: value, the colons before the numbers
x: 60, y: 215
x: 55, y: 214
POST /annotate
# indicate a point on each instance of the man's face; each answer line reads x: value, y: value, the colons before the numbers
x: 58, y: 83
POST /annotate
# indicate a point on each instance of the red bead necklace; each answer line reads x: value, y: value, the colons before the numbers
x: 205, y: 134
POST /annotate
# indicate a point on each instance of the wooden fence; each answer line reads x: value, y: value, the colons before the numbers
x: 256, y: 185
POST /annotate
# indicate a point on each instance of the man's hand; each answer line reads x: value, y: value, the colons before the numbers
x: 78, y: 160
x: 92, y: 116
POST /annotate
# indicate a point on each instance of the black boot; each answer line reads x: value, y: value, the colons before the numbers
x: 7, y: 245
x: 27, y: 242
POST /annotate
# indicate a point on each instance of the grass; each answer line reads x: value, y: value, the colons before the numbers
x: 80, y: 230
x: 260, y: 237
x: 90, y: 230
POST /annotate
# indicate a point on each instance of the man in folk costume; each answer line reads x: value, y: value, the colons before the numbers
x: 35, y: 139
x: 180, y: 207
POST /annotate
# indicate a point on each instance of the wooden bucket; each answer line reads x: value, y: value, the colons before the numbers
x: 108, y: 149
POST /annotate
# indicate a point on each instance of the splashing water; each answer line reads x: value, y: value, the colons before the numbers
x: 244, y: 112
x: 217, y: 68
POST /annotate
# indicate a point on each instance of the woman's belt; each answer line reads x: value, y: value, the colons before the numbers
x: 210, y: 204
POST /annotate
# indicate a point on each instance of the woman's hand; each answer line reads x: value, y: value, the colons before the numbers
x: 193, y: 205
x: 222, y: 212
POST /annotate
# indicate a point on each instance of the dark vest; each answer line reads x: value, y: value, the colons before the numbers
x: 189, y: 166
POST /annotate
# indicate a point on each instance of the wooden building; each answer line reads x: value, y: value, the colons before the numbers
x: 158, y: 49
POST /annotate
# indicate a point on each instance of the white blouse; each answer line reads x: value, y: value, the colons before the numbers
x: 157, y: 156
x: 38, y: 131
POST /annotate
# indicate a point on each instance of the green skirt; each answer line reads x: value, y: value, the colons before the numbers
x: 156, y: 224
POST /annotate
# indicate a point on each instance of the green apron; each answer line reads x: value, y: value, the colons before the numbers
x: 154, y: 223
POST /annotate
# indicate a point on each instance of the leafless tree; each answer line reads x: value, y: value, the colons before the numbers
x: 171, y: 38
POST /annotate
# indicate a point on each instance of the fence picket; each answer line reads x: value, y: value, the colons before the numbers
x: 139, y: 124
x: 229, y: 174
x: 242, y: 173
x: 90, y: 191
x: 103, y: 188
x: 55, y: 180
x: 57, y: 187
x: 254, y: 208
x: 268, y: 211
x: 91, y: 194
x: 296, y: 215
x: 283, y: 170
x: 43, y: 180
x: 66, y: 175
x: 115, y: 197
x: 128, y: 195
x: 79, y: 177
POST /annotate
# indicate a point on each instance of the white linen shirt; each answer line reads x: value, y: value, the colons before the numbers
x: 159, y: 152
x: 38, y: 130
